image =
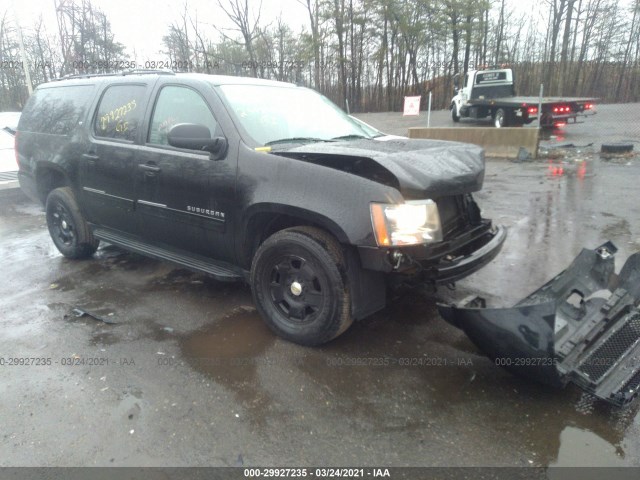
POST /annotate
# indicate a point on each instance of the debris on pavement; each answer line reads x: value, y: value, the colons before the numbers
x: 616, y: 148
x: 79, y: 312
x: 582, y: 327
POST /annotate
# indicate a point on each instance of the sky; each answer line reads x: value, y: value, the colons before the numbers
x: 141, y: 24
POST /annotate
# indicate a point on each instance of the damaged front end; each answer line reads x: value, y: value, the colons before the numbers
x: 581, y: 327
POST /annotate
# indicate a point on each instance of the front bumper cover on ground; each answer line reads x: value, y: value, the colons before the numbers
x: 581, y: 327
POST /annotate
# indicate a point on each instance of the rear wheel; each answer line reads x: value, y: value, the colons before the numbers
x: 67, y: 227
x: 500, y: 118
x: 546, y: 121
x: 299, y: 285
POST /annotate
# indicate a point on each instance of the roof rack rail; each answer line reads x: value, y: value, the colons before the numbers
x: 135, y: 71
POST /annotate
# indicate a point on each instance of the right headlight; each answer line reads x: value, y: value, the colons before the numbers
x: 409, y: 223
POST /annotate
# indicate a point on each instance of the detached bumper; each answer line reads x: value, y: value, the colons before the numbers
x: 582, y: 327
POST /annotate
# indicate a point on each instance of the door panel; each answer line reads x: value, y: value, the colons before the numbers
x: 108, y: 186
x: 107, y: 167
x: 182, y: 196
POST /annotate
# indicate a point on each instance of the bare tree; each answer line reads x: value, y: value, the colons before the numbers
x: 239, y: 13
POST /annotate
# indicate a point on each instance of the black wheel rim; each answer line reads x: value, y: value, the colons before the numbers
x: 62, y: 227
x: 297, y: 288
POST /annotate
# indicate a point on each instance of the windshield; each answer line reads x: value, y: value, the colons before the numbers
x: 272, y: 114
x: 367, y: 128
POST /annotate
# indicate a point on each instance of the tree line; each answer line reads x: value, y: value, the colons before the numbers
x: 365, y: 55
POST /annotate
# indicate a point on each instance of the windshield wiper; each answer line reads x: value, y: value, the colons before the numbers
x: 296, y: 140
x: 349, y: 137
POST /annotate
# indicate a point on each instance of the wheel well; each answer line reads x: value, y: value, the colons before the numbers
x: 262, y: 225
x: 368, y: 288
x: 48, y: 179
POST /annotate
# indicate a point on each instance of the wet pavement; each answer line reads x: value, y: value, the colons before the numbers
x: 186, y: 373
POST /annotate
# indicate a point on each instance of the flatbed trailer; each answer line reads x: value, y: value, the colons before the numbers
x: 491, y: 93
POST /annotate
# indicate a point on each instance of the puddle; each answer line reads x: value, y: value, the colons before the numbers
x: 618, y: 229
x: 18, y: 219
x: 63, y: 284
x: 230, y: 351
x: 129, y: 409
x: 363, y: 381
x: 390, y: 369
x: 109, y: 257
x: 444, y: 386
x: 156, y: 331
x: 194, y: 283
x: 103, y: 338
x: 582, y: 448
x: 103, y: 296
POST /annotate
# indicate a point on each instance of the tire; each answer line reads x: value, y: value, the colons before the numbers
x: 616, y: 147
x: 546, y: 121
x: 454, y: 114
x: 300, y: 287
x: 67, y: 227
x: 500, y: 119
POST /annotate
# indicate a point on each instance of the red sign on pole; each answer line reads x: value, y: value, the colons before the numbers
x: 411, y: 106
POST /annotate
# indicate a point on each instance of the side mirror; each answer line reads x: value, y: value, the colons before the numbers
x: 197, y: 137
x: 456, y: 81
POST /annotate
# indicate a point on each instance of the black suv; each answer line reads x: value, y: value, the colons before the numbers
x: 254, y: 180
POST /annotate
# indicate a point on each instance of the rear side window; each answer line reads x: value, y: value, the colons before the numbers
x: 56, y: 110
x: 120, y: 112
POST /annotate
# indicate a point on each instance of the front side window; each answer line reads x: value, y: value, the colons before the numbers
x: 120, y: 112
x: 179, y: 105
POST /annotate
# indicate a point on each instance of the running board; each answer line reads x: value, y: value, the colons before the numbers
x: 220, y: 271
x: 582, y: 327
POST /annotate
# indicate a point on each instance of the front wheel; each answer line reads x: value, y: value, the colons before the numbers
x: 299, y: 285
x: 454, y: 114
x: 67, y: 227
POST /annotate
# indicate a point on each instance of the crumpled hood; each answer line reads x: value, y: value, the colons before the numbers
x: 422, y: 167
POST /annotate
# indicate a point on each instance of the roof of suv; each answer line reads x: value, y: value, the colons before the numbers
x: 136, y: 75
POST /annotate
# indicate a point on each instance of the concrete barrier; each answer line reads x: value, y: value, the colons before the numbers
x: 497, y: 142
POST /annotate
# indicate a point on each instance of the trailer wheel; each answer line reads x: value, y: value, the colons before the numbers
x: 454, y: 113
x: 500, y: 118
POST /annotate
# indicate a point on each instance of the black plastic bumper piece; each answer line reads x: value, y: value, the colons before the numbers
x: 444, y: 262
x: 447, y: 272
x: 581, y: 327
